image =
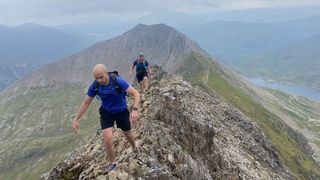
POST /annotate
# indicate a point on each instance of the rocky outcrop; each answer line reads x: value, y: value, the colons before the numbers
x: 183, y: 133
x: 303, y: 143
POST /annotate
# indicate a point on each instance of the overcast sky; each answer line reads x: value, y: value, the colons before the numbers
x: 55, y: 12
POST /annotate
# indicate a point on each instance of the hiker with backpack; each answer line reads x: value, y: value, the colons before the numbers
x: 142, y: 71
x: 111, y: 90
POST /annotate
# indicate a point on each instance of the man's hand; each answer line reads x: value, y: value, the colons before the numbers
x: 134, y: 116
x: 75, y: 126
x: 83, y: 107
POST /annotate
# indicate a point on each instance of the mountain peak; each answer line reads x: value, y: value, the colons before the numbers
x: 161, y: 44
x: 151, y: 29
x: 160, y: 25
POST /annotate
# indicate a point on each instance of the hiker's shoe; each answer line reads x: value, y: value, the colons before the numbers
x: 109, y: 168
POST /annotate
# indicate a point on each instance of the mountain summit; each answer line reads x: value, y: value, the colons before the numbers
x: 160, y: 43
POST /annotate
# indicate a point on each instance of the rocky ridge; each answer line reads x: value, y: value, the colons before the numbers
x: 183, y: 133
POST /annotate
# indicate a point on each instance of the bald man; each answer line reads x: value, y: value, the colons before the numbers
x: 113, y: 109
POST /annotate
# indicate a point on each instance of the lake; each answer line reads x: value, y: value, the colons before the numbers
x: 308, y: 92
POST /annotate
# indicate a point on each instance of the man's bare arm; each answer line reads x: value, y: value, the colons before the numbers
x: 149, y: 69
x: 136, y: 100
x: 136, y: 96
x: 131, y: 69
x: 82, y: 109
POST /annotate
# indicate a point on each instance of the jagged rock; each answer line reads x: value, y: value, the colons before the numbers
x: 183, y: 133
x: 112, y: 176
x: 101, y: 177
x: 123, y: 176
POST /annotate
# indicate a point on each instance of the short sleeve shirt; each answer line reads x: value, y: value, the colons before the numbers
x: 112, y: 100
x: 141, y: 65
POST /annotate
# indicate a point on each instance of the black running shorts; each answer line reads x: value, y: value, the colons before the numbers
x: 141, y: 75
x: 122, y: 119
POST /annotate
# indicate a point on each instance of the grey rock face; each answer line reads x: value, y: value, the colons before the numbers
x: 183, y: 133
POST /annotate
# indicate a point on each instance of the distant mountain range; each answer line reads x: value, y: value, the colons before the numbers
x: 28, y: 46
x: 94, y: 32
x: 297, y: 63
x: 223, y: 39
x: 232, y: 37
x: 306, y: 26
x: 284, y: 51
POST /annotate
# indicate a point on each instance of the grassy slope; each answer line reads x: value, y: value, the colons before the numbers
x: 291, y: 153
x: 50, y: 112
x: 300, y: 109
x: 300, y: 112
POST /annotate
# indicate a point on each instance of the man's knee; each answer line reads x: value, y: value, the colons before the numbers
x: 108, y: 142
x: 107, y: 135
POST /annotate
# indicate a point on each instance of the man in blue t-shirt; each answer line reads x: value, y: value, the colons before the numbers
x: 142, y: 70
x: 113, y: 108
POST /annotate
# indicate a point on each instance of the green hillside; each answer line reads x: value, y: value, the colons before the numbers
x: 203, y: 72
x: 301, y: 113
x: 40, y: 130
x: 302, y: 110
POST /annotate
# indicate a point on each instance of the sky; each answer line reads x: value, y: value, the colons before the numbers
x: 58, y: 12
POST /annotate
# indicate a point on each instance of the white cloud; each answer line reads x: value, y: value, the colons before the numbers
x: 73, y: 11
x: 246, y: 4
